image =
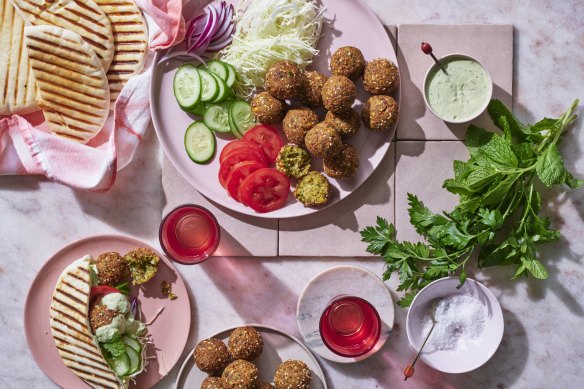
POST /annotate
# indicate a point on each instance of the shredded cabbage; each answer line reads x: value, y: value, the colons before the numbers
x: 268, y: 31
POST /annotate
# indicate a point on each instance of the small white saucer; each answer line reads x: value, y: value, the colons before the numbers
x: 331, y: 283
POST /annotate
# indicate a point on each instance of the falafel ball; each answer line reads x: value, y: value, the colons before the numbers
x: 292, y: 374
x: 381, y: 76
x: 346, y: 123
x: 348, y: 61
x: 284, y: 80
x: 143, y: 263
x: 100, y: 315
x: 297, y: 122
x: 313, y: 190
x: 311, y: 92
x: 111, y: 269
x: 380, y: 112
x: 212, y: 383
x: 343, y: 165
x: 211, y: 356
x: 293, y: 161
x: 265, y: 385
x: 245, y: 343
x: 240, y: 374
x: 267, y: 109
x: 323, y: 140
x: 338, y: 94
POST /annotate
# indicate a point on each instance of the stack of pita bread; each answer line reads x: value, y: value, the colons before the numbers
x: 70, y: 59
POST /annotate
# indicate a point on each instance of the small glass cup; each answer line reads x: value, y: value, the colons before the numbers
x: 350, y: 326
x: 189, y: 234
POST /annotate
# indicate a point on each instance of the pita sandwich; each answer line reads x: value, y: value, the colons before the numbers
x: 71, y: 330
x: 72, y: 86
x: 77, y: 304
x: 83, y: 17
x: 17, y: 86
x: 130, y: 42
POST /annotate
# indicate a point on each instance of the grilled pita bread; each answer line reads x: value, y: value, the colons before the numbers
x: 73, y: 88
x: 81, y: 16
x: 17, y: 86
x: 130, y: 42
x: 71, y: 330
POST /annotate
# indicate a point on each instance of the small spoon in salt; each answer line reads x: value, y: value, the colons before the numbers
x: 409, y: 370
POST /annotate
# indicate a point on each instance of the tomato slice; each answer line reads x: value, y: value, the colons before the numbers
x: 268, y: 139
x: 234, y: 159
x: 239, y: 173
x: 240, y: 144
x: 265, y: 190
x: 97, y: 292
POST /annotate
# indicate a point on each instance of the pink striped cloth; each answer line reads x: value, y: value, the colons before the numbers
x: 26, y: 147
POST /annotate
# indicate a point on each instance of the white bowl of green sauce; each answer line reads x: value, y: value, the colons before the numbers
x: 462, y: 93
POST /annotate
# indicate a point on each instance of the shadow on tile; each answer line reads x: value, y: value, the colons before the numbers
x: 134, y: 204
x: 409, y: 116
x: 253, y: 290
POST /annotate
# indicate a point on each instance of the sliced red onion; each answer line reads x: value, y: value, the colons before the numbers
x: 210, y: 31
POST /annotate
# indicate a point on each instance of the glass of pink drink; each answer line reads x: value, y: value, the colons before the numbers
x: 189, y: 234
x: 350, y: 326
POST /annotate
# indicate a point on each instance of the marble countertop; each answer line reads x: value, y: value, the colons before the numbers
x: 543, y: 344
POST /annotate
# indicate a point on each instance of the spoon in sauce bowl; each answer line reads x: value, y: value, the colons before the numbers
x: 427, y: 49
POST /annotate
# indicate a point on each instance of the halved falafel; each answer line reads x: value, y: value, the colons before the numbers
x: 313, y: 190
x: 293, y: 161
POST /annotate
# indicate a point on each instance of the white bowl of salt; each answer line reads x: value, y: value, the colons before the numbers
x: 468, y: 329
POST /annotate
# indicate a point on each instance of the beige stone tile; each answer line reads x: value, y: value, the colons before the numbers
x: 490, y: 44
x: 421, y: 168
x: 241, y: 235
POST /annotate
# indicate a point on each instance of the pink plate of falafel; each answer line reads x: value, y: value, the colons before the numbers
x: 253, y: 355
x: 333, y: 120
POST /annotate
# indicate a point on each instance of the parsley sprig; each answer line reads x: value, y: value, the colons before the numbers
x: 497, y: 219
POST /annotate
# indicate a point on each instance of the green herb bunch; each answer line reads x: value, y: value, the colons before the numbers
x: 497, y: 218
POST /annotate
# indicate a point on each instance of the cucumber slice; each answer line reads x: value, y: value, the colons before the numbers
x: 217, y: 117
x: 218, y: 68
x: 209, y: 87
x: 232, y: 125
x: 200, y: 143
x: 132, y: 342
x: 122, y: 365
x: 187, y: 86
x: 240, y: 113
x: 199, y: 109
x: 223, y: 89
x: 231, y: 74
x: 135, y: 360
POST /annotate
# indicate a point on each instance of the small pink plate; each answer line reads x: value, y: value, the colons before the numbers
x: 169, y: 331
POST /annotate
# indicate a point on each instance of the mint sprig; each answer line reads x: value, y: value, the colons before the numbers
x: 497, y: 219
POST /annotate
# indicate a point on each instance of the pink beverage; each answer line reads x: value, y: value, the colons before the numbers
x: 350, y: 326
x: 189, y: 234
